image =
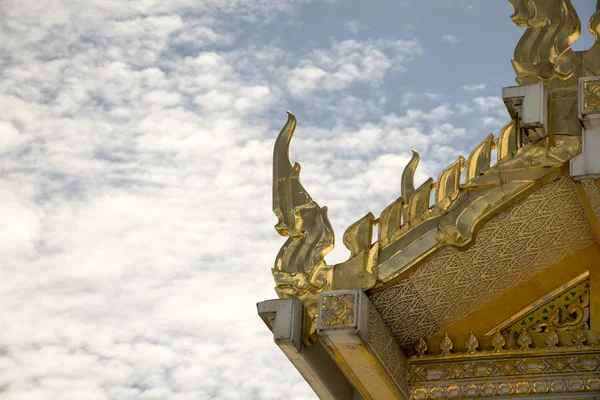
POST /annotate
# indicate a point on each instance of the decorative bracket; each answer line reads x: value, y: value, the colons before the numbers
x: 284, y: 319
x: 362, y: 345
x: 529, y: 105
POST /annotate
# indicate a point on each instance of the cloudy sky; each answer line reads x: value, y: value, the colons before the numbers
x: 136, y: 143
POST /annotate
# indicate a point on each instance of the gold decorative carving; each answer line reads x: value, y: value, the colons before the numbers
x: 506, y: 374
x: 420, y: 393
x: 453, y: 391
x: 559, y: 364
x: 410, y: 228
x: 576, y: 385
x: 540, y: 387
x: 578, y: 337
x: 592, y: 56
x: 357, y: 237
x: 421, y: 347
x: 533, y: 366
x: 390, y: 221
x: 580, y: 309
x: 524, y: 339
x: 408, y: 177
x: 505, y: 253
x: 587, y: 363
x: 471, y: 343
x: 338, y: 310
x: 591, y: 95
x: 509, y: 139
x: 507, y: 367
x: 593, y: 194
x: 544, y: 51
x: 505, y: 389
x: 498, y: 341
x: 300, y: 269
x: 433, y: 372
x: 491, y: 389
x: 555, y: 310
x: 558, y: 386
x: 482, y: 369
x: 446, y: 345
x: 479, y: 159
x: 385, y: 347
x: 551, y: 338
x: 448, y: 183
x: 593, y: 385
x: 522, y: 387
x: 457, y: 371
x: 507, y: 363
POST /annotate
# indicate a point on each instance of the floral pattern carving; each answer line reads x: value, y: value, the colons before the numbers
x: 591, y: 95
x: 524, y: 339
x: 337, y: 310
x: 498, y: 341
x: 446, y: 345
x: 471, y: 343
x: 551, y: 338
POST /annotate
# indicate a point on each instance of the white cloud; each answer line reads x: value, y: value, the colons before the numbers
x: 410, y: 97
x: 349, y: 62
x: 137, y: 146
x: 450, y: 38
x: 489, y: 103
x: 464, y: 109
x: 10, y: 137
x: 491, y: 121
x: 353, y: 26
x: 475, y: 88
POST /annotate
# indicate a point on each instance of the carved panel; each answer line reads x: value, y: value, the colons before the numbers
x: 384, y: 345
x: 591, y: 95
x: 536, y: 233
x: 555, y: 313
x: 337, y: 310
x: 504, y: 377
x: 593, y: 195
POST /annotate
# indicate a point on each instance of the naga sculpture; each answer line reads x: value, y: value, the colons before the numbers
x: 300, y: 269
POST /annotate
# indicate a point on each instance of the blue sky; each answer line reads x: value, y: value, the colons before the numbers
x: 136, y: 141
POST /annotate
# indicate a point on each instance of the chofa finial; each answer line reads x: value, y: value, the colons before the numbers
x: 300, y: 269
x: 544, y: 51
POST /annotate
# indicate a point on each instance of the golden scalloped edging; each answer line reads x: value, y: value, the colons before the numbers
x: 589, y: 382
x: 500, y: 372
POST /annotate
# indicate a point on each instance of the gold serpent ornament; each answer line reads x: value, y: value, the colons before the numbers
x: 300, y: 269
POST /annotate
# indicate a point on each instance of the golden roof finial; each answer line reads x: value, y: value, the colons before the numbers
x: 300, y: 268
x: 544, y: 51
